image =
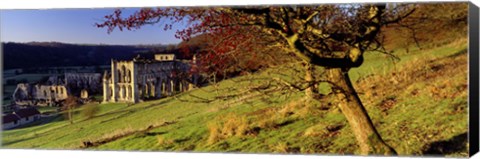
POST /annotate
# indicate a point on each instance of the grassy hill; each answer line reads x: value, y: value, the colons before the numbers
x: 418, y: 104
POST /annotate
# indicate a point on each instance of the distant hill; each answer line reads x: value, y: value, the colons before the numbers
x: 50, y: 54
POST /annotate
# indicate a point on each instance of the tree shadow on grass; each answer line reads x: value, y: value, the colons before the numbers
x: 16, y: 141
x: 455, y: 144
x: 458, y: 53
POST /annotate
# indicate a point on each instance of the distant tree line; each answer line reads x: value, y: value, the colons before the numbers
x: 53, y: 54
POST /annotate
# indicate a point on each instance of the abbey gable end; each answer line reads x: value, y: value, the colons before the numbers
x: 140, y: 78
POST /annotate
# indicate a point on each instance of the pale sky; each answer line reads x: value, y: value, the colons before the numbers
x: 75, y: 26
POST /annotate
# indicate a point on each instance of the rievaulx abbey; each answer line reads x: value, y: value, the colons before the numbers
x: 138, y: 79
x: 129, y: 81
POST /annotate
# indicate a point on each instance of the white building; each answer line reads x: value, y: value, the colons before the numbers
x: 10, y: 121
x: 20, y: 117
x: 27, y: 115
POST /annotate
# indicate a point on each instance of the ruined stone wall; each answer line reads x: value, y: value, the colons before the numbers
x: 79, y: 81
x: 21, y: 92
x: 117, y: 85
x: 53, y: 92
x: 57, y: 80
x: 26, y: 94
x: 136, y: 80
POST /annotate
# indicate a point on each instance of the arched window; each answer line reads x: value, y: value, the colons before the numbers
x: 124, y: 92
x: 130, y: 92
x: 129, y: 76
x: 124, y: 70
x: 120, y: 75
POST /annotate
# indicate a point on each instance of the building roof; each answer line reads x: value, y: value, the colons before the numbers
x: 9, y: 118
x: 26, y: 112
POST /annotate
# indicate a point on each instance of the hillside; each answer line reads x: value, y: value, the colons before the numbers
x: 418, y: 104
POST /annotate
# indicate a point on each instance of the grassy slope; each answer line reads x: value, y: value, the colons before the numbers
x: 416, y: 110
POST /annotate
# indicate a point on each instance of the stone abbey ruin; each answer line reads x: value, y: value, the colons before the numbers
x: 56, y: 89
x: 139, y: 79
x: 129, y: 81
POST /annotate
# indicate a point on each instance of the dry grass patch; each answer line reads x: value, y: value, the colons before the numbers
x: 227, y: 126
x: 305, y: 107
x: 401, y: 80
x: 161, y: 140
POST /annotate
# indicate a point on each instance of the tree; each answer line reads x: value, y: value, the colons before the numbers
x: 68, y: 106
x: 333, y: 37
x: 233, y: 61
x: 433, y: 23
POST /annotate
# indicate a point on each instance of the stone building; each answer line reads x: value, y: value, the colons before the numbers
x: 92, y: 82
x: 26, y: 94
x: 140, y: 78
x: 20, y: 117
x: 84, y: 94
x: 57, y: 88
x: 75, y: 82
x: 10, y: 121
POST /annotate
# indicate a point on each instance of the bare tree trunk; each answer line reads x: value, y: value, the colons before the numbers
x: 311, y: 89
x: 367, y: 136
x: 70, y: 115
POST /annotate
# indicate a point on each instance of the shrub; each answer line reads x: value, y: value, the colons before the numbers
x: 227, y: 126
x: 281, y: 147
x: 90, y: 110
x: 214, y: 133
x: 163, y: 141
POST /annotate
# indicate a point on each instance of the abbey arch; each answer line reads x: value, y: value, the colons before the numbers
x: 140, y: 79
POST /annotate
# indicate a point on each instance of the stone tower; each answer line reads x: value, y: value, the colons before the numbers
x: 139, y: 79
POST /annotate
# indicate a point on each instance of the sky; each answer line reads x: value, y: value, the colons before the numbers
x: 76, y: 26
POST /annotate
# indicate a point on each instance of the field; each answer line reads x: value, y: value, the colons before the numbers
x: 418, y: 104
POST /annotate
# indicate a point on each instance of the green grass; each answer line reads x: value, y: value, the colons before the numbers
x: 47, y: 109
x: 379, y: 63
x: 281, y: 123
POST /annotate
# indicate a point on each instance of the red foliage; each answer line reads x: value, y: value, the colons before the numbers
x: 239, y: 36
x: 222, y: 38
